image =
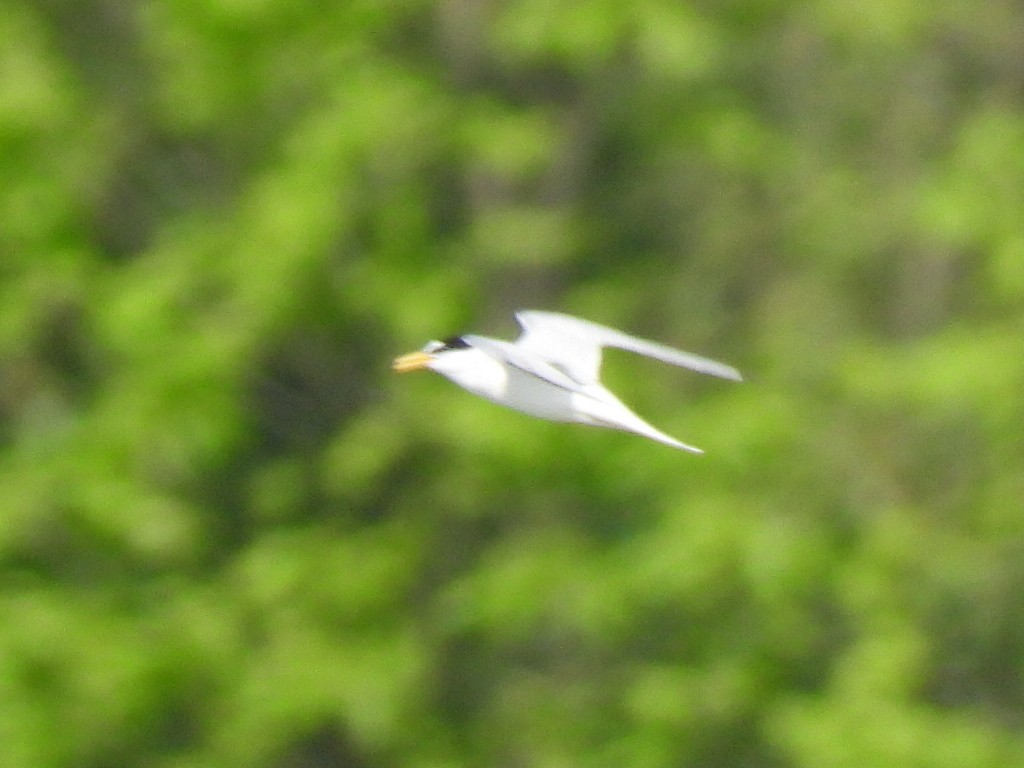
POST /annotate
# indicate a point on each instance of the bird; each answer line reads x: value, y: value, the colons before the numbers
x: 552, y: 371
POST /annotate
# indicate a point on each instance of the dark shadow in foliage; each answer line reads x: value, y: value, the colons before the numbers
x: 324, y: 747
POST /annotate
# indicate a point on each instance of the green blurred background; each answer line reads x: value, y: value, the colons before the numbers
x: 229, y: 536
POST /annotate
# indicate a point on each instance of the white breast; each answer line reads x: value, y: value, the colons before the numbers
x: 482, y: 375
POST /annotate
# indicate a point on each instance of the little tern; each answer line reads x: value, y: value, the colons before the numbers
x: 552, y: 370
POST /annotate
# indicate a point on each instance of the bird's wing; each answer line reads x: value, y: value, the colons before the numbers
x: 574, y: 345
x: 566, y: 342
x: 522, y: 359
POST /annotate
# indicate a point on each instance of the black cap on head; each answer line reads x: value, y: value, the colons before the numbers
x: 454, y: 342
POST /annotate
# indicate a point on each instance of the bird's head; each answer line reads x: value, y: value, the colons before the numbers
x: 460, y: 362
x: 440, y: 356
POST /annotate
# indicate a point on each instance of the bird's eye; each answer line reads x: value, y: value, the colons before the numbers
x: 455, y: 342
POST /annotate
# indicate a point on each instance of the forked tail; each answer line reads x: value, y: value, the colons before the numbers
x: 608, y: 411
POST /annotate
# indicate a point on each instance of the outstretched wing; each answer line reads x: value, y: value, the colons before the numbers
x: 574, y: 346
x: 532, y: 364
x: 566, y: 342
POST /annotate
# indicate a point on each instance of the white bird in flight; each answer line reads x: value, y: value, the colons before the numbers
x: 551, y: 371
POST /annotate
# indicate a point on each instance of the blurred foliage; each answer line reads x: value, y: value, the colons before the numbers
x: 228, y: 536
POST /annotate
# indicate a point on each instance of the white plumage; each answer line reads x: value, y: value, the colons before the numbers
x: 552, y: 370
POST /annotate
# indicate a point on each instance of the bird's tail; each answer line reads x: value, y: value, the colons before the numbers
x: 645, y: 429
x: 611, y: 412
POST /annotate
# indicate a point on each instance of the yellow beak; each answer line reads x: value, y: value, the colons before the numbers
x: 414, y: 361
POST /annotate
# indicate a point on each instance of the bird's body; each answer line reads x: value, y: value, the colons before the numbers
x: 551, y: 371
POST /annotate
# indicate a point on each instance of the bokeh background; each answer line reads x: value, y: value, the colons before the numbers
x: 229, y: 536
